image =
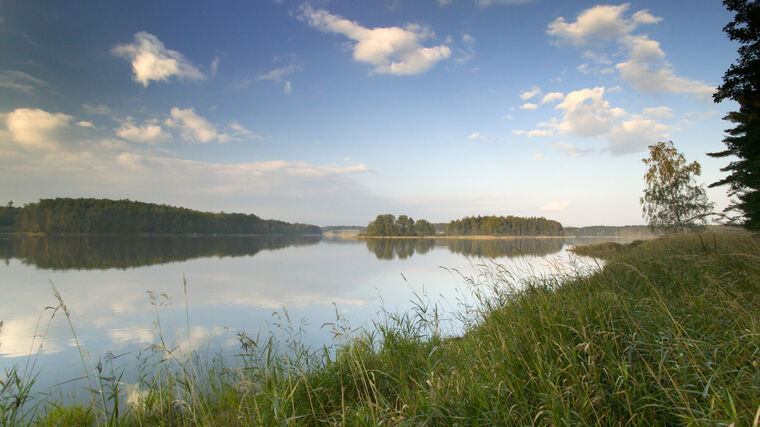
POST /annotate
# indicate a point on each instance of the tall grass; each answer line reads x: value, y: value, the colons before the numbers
x: 668, y: 332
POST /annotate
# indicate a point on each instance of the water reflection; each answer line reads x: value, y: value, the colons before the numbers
x: 104, y: 252
x: 389, y: 249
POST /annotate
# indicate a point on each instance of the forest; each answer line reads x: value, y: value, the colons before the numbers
x: 389, y: 225
x: 504, y: 226
x: 104, y: 216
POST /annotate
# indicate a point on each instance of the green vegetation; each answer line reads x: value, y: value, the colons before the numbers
x: 673, y: 202
x: 667, y: 333
x: 389, y: 225
x: 8, y: 214
x: 741, y: 83
x: 63, y: 215
x: 504, y: 226
x: 621, y: 232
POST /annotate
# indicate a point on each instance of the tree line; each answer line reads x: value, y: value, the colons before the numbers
x: 67, y: 215
x: 504, y: 226
x: 389, y: 225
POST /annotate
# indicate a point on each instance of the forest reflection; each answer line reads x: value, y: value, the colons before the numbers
x: 104, y: 252
x: 389, y: 249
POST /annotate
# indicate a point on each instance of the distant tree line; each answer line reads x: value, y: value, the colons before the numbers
x: 389, y: 225
x: 504, y: 226
x: 8, y: 214
x: 66, y: 215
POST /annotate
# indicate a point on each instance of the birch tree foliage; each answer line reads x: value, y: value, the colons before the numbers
x: 673, y: 202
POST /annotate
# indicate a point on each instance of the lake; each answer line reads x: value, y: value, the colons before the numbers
x: 124, y: 293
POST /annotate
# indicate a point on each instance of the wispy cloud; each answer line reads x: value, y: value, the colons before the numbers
x: 20, y: 81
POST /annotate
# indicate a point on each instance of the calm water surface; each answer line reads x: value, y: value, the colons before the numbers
x: 118, y: 288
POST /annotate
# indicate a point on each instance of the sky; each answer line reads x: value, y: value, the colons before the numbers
x: 332, y: 112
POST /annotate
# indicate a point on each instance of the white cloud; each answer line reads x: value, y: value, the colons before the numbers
x: 390, y: 50
x: 535, y: 132
x: 538, y: 155
x: 528, y: 94
x: 278, y: 73
x: 598, y: 25
x: 151, y: 61
x: 20, y: 81
x: 552, y: 97
x: 648, y: 71
x: 37, y: 129
x: 85, y: 124
x: 476, y: 135
x: 148, y: 133
x: 508, y: 116
x: 287, y: 89
x: 529, y: 106
x: 555, y: 206
x: 214, y: 66
x: 243, y: 132
x: 645, y: 68
x: 467, y: 52
x: 193, y: 127
x: 586, y: 114
x: 661, y: 112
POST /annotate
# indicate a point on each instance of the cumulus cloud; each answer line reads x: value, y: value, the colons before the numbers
x: 586, y: 113
x: 37, y: 129
x: 151, y: 61
x: 390, y: 50
x: 193, y: 127
x: 529, y: 106
x: 148, y: 133
x: 85, y: 124
x: 645, y: 68
x: 598, y: 25
x: 528, y: 94
x: 20, y: 81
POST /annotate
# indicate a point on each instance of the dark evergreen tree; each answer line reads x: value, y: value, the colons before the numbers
x: 741, y: 83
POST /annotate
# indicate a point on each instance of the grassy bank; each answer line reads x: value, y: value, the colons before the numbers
x: 667, y: 333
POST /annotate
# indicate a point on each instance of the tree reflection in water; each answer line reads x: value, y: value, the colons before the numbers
x: 389, y: 249
x: 104, y: 252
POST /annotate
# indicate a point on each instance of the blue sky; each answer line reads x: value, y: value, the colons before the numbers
x: 330, y: 112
